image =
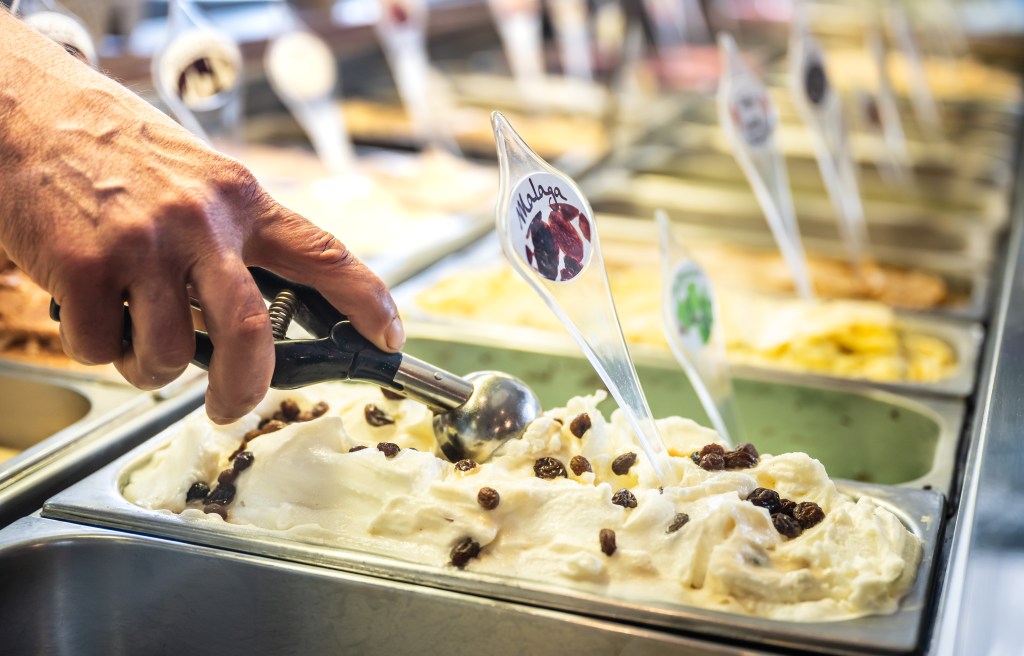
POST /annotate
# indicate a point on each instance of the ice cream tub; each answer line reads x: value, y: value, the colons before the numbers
x: 916, y: 354
x: 56, y: 568
x: 44, y: 419
x: 730, y: 199
x: 961, y: 240
x: 100, y: 500
x: 933, y: 188
x: 964, y: 285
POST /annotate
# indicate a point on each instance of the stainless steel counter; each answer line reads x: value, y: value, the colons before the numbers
x: 982, y: 603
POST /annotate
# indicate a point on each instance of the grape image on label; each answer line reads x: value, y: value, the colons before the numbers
x: 555, y: 245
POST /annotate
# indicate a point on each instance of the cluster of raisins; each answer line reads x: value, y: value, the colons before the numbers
x: 789, y: 518
x: 218, y: 500
x: 714, y: 458
x: 556, y: 236
x: 289, y: 413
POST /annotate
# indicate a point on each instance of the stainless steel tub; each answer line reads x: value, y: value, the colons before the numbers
x: 74, y: 590
x: 967, y: 281
x: 97, y: 500
x: 963, y: 337
x: 65, y: 428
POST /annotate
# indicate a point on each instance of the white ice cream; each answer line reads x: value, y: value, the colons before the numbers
x: 415, y: 506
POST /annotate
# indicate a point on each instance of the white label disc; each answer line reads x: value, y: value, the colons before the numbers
x: 548, y: 227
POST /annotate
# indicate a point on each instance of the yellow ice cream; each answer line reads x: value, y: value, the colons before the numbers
x: 845, y: 338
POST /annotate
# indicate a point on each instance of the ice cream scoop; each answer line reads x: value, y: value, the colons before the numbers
x: 473, y: 415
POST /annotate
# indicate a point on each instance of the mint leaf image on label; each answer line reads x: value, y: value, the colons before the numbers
x: 694, y: 311
x: 550, y: 229
x: 750, y: 114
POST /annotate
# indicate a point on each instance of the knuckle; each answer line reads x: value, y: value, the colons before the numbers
x: 328, y: 251
x: 81, y: 266
x: 253, y: 326
x: 135, y: 236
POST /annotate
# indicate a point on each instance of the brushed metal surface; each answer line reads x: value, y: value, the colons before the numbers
x: 70, y: 427
x: 980, y: 604
x: 80, y: 591
x: 97, y: 500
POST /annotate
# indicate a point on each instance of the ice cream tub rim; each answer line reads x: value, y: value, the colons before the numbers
x: 97, y: 500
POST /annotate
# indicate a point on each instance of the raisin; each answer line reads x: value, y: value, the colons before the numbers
x: 465, y: 465
x: 227, y: 477
x: 464, y: 550
x: 622, y: 464
x: 678, y: 522
x: 747, y: 447
x: 624, y: 498
x: 243, y: 460
x: 198, y: 492
x: 580, y: 425
x: 216, y: 508
x: 545, y: 248
x: 579, y: 464
x: 358, y: 447
x: 566, y: 237
x: 222, y: 495
x: 389, y: 449
x: 319, y: 409
x: 391, y: 395
x: 765, y: 498
x: 786, y: 525
x: 272, y: 426
x: 712, y: 462
x: 787, y: 507
x: 712, y: 448
x: 739, y: 460
x: 549, y: 468
x: 488, y: 498
x: 808, y: 514
x: 607, y: 539
x: 290, y: 410
x: 376, y: 416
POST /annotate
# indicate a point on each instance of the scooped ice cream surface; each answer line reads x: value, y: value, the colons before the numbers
x: 572, y: 504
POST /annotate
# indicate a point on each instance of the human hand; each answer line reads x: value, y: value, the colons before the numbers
x: 107, y: 201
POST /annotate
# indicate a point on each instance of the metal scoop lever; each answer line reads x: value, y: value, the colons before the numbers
x: 473, y: 415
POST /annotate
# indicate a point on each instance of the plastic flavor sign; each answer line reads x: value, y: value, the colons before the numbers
x: 819, y: 106
x: 198, y: 74
x: 748, y: 118
x: 573, y: 33
x: 519, y: 26
x: 547, y: 233
x: 886, y: 115
x: 402, y: 31
x: 690, y: 319
x: 302, y: 71
x: 59, y: 25
x: 921, y: 98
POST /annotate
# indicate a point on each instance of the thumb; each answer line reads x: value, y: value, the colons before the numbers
x: 291, y: 246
